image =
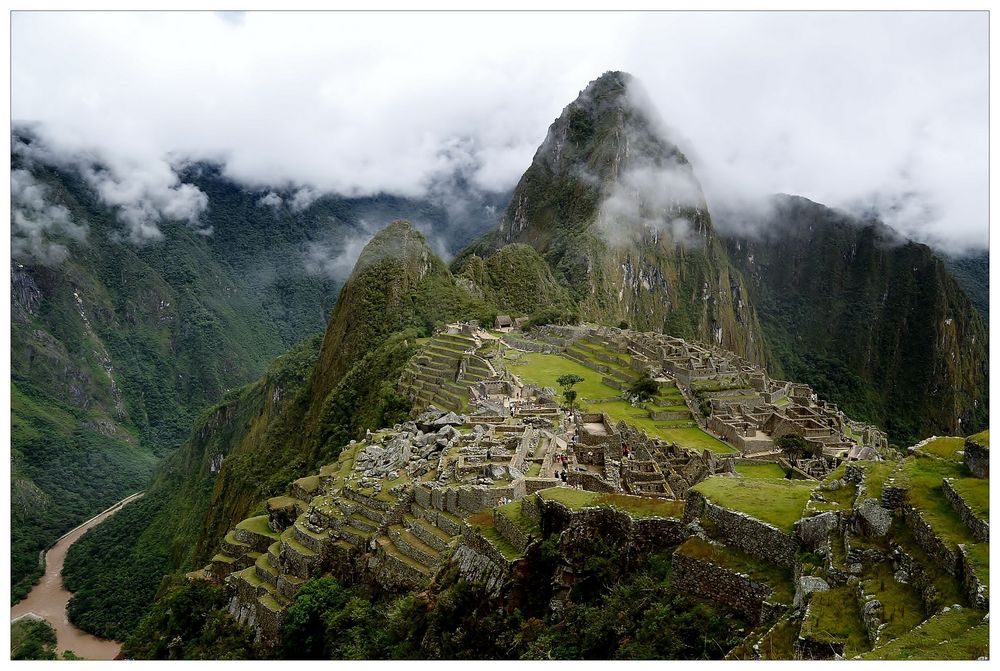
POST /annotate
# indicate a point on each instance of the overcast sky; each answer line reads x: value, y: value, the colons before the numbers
x: 849, y: 109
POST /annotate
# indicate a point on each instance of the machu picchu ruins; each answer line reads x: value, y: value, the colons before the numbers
x: 779, y: 506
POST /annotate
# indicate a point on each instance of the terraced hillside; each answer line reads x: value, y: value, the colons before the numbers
x: 892, y: 558
x: 444, y: 369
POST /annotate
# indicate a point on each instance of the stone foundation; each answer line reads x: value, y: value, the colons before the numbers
x: 747, y: 533
x: 979, y: 527
x: 721, y: 585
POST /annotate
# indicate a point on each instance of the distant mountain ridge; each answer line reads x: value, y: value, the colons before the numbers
x: 871, y: 320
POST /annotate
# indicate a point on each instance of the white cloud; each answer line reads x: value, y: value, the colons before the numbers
x: 848, y: 109
x: 270, y: 200
x: 36, y: 220
x: 303, y: 198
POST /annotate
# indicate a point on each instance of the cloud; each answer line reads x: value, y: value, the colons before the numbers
x: 335, y: 261
x: 143, y: 193
x: 651, y: 201
x: 37, y: 223
x: 270, y: 200
x: 303, y: 198
x: 848, y: 109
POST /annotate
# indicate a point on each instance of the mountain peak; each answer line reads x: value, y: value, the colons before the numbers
x: 398, y: 240
x: 611, y: 83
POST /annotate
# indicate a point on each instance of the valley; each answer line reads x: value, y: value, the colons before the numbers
x: 48, y: 599
x: 592, y: 417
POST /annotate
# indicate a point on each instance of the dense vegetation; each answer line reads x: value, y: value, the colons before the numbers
x: 874, y: 323
x: 612, y: 614
x: 972, y: 272
x: 190, y: 621
x: 263, y: 435
x: 113, y: 353
x: 32, y: 639
x: 117, y: 348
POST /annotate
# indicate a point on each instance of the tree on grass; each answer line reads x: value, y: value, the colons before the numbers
x: 793, y: 444
x: 566, y: 382
x: 644, y: 388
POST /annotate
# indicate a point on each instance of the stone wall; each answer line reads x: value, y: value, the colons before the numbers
x: 475, y: 540
x: 917, y: 577
x: 749, y: 534
x: 979, y: 527
x: 532, y: 485
x: 513, y: 532
x: 529, y: 345
x: 476, y: 567
x: 940, y: 553
x: 392, y: 571
x: 581, y: 529
x: 977, y: 459
x: 664, y: 415
x: 589, y: 481
x: 976, y: 590
x: 719, y: 584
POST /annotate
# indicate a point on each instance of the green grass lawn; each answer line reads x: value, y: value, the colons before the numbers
x: 760, y: 470
x: 875, y: 474
x: 483, y: 522
x: 778, y: 643
x: 636, y: 506
x: 835, y: 617
x: 545, y: 369
x: 979, y: 558
x: 257, y: 525
x: 945, y: 448
x: 777, y: 502
x: 957, y: 634
x: 923, y: 478
x: 949, y: 588
x: 902, y: 607
x: 981, y: 438
x: 512, y: 511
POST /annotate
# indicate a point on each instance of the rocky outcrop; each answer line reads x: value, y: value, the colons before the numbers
x: 977, y: 458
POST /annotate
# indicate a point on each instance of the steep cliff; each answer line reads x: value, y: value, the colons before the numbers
x: 616, y: 210
x: 311, y: 402
x: 872, y: 321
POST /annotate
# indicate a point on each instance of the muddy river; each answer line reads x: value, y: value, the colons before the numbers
x: 48, y: 598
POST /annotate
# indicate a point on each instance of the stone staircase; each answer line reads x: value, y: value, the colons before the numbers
x: 442, y: 372
x: 409, y: 551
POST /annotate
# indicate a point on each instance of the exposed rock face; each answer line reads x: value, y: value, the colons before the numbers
x: 615, y: 209
x: 814, y: 531
x: 875, y: 520
x: 977, y: 458
x: 807, y: 585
